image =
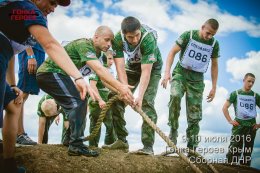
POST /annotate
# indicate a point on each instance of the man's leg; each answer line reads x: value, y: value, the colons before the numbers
x: 49, y: 121
x: 194, y: 97
x: 63, y: 90
x: 10, y: 130
x: 177, y: 92
x: 65, y: 138
x: 148, y: 107
x: 110, y: 136
x: 117, y: 111
x: 249, y: 138
x: 27, y: 83
x: 236, y: 145
x: 22, y: 137
x: 20, y: 121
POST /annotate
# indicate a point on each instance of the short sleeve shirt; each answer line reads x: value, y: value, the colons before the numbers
x: 148, y: 48
x: 103, y: 91
x: 233, y: 98
x: 14, y: 26
x: 80, y: 51
x: 183, y: 41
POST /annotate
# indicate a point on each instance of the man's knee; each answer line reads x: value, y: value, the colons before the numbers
x: 13, y: 108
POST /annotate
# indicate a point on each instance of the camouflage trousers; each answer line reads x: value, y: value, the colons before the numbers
x: 241, y: 143
x: 118, y: 108
x: 94, y: 112
x: 194, y: 93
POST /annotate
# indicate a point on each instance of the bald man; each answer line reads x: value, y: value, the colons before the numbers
x: 86, y: 54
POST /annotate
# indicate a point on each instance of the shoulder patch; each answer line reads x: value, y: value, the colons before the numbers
x: 91, y: 55
x: 151, y: 57
x: 180, y: 40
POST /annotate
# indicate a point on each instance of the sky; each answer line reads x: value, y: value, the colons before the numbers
x: 239, y: 38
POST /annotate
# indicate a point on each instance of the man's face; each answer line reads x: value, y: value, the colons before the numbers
x: 207, y: 32
x: 104, y: 41
x: 46, y: 6
x: 133, y: 37
x: 248, y: 83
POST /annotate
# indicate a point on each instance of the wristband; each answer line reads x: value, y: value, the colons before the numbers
x: 78, y: 78
x: 12, y: 86
x: 30, y: 57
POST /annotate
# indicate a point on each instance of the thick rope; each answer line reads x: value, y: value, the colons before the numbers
x: 153, y: 125
x: 101, y: 118
x: 171, y: 144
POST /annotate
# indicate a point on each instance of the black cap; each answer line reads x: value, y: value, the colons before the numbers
x: 63, y: 2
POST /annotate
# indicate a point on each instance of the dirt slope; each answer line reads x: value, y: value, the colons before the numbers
x: 54, y: 159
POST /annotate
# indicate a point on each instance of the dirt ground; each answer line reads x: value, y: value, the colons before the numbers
x: 54, y: 159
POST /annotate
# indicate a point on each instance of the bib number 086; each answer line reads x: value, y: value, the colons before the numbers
x: 197, y: 56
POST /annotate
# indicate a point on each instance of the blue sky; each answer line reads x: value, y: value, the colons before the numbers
x: 238, y: 35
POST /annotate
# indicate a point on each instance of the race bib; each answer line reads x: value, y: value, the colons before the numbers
x: 246, y: 107
x: 135, y: 55
x: 86, y: 70
x: 197, y: 56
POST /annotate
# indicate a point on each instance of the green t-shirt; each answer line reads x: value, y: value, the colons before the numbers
x: 233, y: 100
x: 150, y: 53
x: 80, y: 51
x: 103, y: 91
x: 183, y: 41
x: 40, y: 112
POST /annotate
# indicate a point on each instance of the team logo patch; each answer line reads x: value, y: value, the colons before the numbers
x: 151, y: 57
x: 91, y: 55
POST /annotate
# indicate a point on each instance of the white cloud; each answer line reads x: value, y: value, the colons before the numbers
x: 194, y: 15
x: 189, y: 16
x: 68, y: 28
x: 238, y: 67
x: 81, y: 19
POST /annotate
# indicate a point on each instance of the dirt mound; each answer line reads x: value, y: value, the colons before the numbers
x: 54, y: 159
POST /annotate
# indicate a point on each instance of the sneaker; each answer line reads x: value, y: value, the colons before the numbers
x: 82, y: 151
x: 117, y: 145
x: 145, y: 151
x: 24, y: 139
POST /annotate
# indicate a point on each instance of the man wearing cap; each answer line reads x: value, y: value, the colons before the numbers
x: 48, y: 111
x: 15, y: 36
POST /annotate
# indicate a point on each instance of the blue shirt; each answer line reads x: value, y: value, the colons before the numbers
x: 16, y: 28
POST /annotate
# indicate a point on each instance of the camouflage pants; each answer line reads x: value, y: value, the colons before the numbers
x: 118, y: 108
x: 241, y: 143
x: 194, y: 94
x: 94, y: 112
